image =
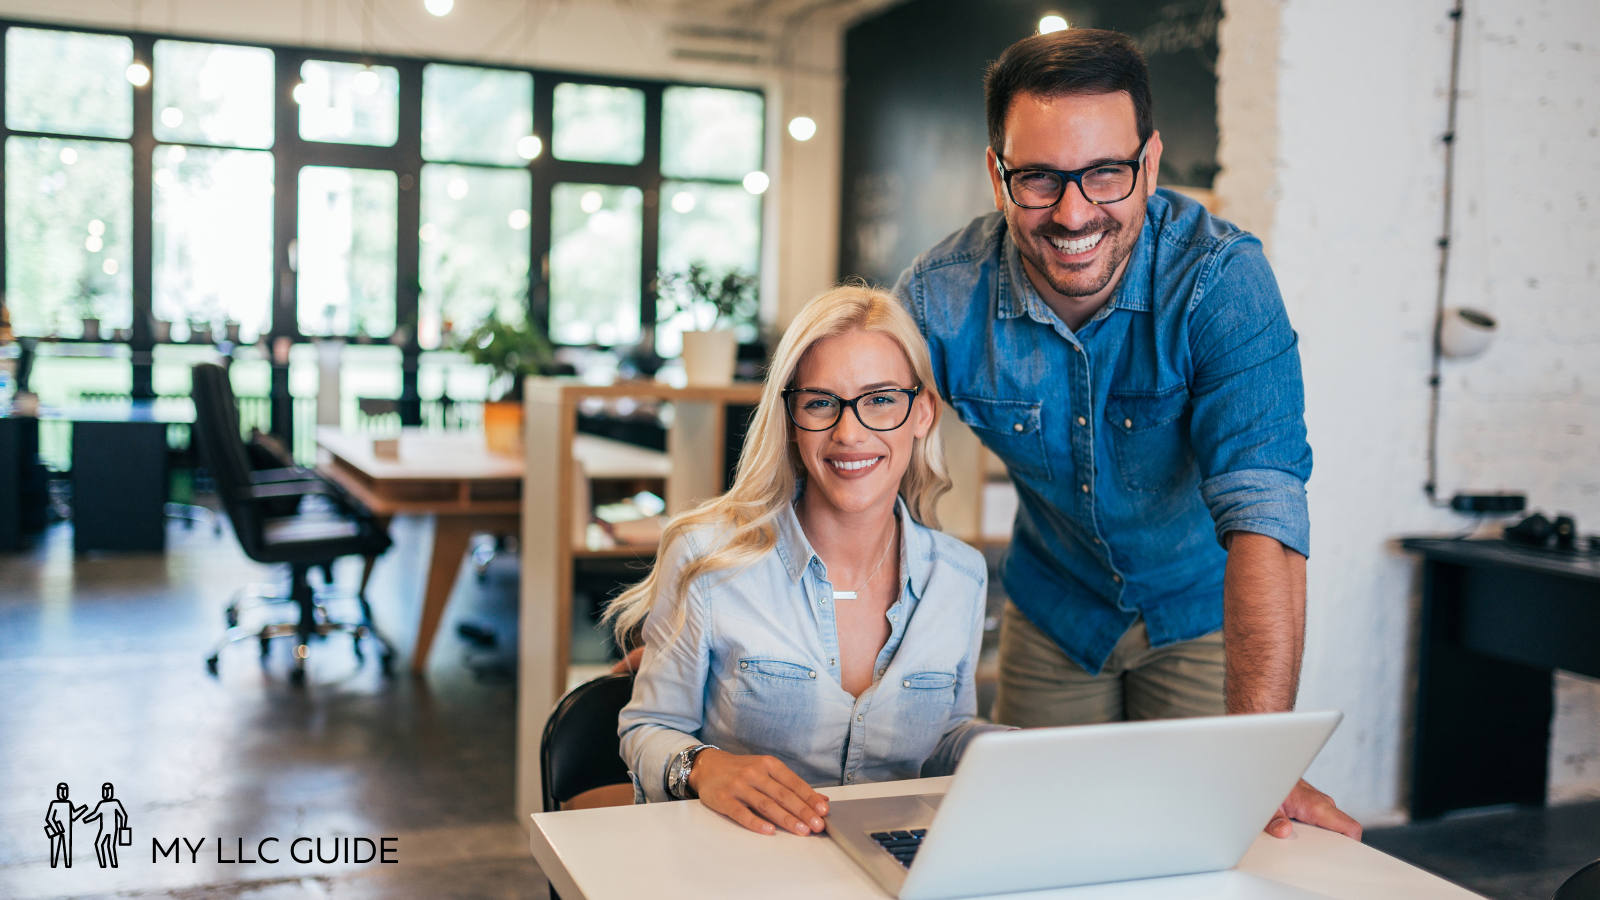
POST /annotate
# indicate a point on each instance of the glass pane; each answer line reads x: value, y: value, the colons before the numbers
x: 345, y: 251
x: 474, y: 240
x: 68, y: 234
x: 717, y: 225
x: 710, y: 132
x: 367, y: 372
x: 348, y: 103
x: 62, y: 375
x: 213, y: 238
x: 595, y: 123
x: 213, y: 94
x: 594, y: 263
x: 476, y: 115
x: 68, y: 82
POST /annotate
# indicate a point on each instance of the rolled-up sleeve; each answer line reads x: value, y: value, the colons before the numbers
x: 1248, y: 427
x: 964, y: 724
x: 667, y: 710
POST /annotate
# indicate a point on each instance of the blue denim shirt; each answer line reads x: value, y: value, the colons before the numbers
x: 1176, y: 413
x: 754, y: 669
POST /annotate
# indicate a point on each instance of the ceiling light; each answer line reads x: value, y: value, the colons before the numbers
x: 172, y: 117
x: 138, y: 74
x: 757, y: 182
x: 529, y: 146
x: 439, y: 7
x: 802, y: 128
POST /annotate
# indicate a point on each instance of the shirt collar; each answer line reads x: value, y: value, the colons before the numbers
x: 917, y: 552
x: 1015, y: 295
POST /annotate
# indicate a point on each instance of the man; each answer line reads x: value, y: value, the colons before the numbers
x: 58, y: 819
x: 1128, y: 357
x: 113, y: 819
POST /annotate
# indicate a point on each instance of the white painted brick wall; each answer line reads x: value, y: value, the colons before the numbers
x: 1353, y: 210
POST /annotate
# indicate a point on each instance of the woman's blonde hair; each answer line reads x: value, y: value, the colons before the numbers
x: 770, y: 469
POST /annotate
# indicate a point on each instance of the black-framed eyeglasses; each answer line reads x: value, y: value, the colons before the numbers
x: 1040, y: 188
x: 880, y: 410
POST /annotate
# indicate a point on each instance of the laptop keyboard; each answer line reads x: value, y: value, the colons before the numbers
x: 902, y: 845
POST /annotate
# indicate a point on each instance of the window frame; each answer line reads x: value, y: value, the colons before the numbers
x: 404, y: 158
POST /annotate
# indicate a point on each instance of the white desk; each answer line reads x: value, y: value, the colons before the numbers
x: 670, y: 850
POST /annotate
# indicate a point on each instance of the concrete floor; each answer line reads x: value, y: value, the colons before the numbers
x: 101, y: 671
x: 102, y: 679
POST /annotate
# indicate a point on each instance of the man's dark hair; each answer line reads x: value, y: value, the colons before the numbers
x: 1073, y: 61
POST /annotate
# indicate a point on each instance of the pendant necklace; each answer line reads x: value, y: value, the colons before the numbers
x: 851, y: 595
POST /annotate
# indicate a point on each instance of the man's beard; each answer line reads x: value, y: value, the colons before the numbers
x: 1070, y: 282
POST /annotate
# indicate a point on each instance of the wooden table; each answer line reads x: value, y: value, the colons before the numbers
x: 453, y: 477
x: 684, y: 850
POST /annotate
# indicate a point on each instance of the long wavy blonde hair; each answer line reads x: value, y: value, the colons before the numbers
x: 769, y: 466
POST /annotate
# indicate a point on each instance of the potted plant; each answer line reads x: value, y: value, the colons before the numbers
x: 89, y: 307
x: 714, y: 303
x: 513, y: 350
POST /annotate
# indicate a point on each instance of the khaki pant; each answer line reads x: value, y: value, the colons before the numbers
x: 1040, y: 686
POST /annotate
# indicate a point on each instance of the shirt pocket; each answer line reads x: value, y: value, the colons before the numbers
x: 774, y: 700
x: 926, y: 699
x: 1013, y: 429
x: 1149, y: 438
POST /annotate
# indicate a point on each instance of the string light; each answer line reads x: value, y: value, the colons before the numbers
x: 529, y: 146
x: 802, y: 128
x: 138, y: 74
x: 757, y: 182
x: 439, y: 8
x: 1051, y: 23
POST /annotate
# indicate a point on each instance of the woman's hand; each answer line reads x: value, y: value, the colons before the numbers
x: 758, y: 792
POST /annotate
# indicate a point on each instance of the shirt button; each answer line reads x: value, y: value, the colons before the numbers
x: 1117, y: 578
x: 744, y: 665
x: 1085, y: 487
x: 905, y: 684
x: 1082, y: 421
x: 1096, y: 540
x: 812, y: 672
x: 882, y: 670
x: 858, y: 718
x: 1018, y: 427
x: 1127, y: 423
x: 830, y: 660
x: 824, y: 600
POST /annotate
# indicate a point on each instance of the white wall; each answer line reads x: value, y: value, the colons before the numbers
x: 1351, y: 210
x: 797, y: 64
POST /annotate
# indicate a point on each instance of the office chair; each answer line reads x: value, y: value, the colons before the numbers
x: 580, y: 750
x: 284, y: 515
x: 1583, y: 885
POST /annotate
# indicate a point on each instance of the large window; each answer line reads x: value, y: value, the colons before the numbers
x: 188, y: 191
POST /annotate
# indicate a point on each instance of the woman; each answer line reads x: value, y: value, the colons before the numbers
x: 809, y: 626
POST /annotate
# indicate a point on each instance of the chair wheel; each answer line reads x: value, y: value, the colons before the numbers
x: 297, y: 675
x: 211, y: 664
x: 386, y: 662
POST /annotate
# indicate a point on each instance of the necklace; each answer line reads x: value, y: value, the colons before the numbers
x: 851, y: 595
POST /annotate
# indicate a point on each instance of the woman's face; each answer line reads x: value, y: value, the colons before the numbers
x: 853, y: 468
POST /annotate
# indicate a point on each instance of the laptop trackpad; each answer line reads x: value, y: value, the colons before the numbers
x: 884, y: 813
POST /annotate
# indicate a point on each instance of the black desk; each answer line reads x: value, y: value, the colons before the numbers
x: 119, y: 475
x: 1497, y: 620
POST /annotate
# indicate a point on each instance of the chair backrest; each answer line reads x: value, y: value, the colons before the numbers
x: 222, y: 450
x: 1583, y: 885
x: 580, y: 750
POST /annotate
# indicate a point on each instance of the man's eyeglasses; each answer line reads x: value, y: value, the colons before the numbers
x: 1039, y: 188
x: 883, y: 410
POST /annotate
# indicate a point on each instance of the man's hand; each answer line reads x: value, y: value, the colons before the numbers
x: 1311, y: 806
x: 758, y: 792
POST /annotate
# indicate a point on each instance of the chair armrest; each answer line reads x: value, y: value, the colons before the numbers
x: 293, y: 473
x: 279, y: 489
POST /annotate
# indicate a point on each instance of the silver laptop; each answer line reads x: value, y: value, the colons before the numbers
x: 1054, y: 807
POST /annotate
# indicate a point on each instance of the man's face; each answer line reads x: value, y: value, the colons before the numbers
x: 1074, y: 252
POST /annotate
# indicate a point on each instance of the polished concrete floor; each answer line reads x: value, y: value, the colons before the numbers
x: 102, y: 679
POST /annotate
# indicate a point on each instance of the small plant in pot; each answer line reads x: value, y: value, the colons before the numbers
x: 714, y: 302
x: 89, y: 307
x: 513, y: 350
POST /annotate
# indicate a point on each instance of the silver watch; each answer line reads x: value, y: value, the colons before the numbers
x: 678, y: 772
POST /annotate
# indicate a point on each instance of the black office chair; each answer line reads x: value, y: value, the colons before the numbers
x: 580, y: 751
x: 1583, y: 885
x: 284, y: 515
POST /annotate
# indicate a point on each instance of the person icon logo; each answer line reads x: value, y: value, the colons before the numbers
x: 114, y: 832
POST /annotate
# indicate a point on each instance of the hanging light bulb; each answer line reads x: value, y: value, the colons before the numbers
x: 757, y: 182
x: 802, y: 128
x: 138, y: 74
x: 529, y: 146
x: 1051, y: 23
x: 439, y: 8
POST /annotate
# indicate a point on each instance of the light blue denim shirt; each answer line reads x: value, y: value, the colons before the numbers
x: 1172, y: 417
x: 755, y: 667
